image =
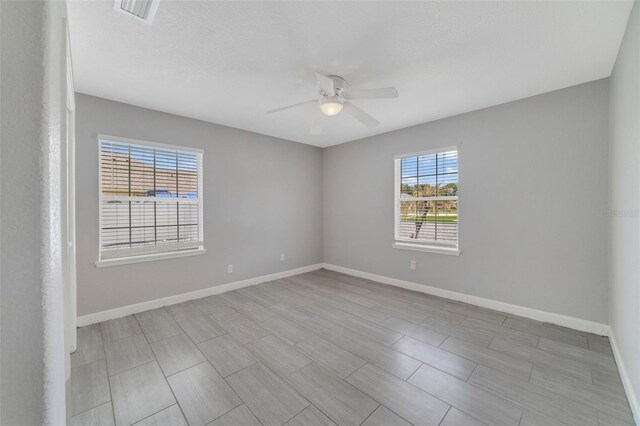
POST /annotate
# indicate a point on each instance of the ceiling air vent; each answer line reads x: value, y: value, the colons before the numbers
x: 142, y: 10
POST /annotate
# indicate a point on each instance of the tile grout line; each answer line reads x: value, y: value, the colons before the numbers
x: 277, y: 376
x: 230, y: 307
x: 184, y: 369
x: 528, y: 408
x: 212, y: 366
x: 342, y: 310
x: 352, y: 373
x: 470, y: 384
x: 521, y: 416
x: 235, y: 393
x: 371, y: 414
x: 161, y: 371
x: 474, y: 370
x: 106, y: 366
x: 159, y: 411
x: 410, y: 384
x: 345, y: 382
x: 445, y: 415
x: 89, y: 409
x: 129, y: 369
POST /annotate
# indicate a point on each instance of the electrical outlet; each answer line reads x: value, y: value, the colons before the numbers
x: 229, y: 268
x: 282, y: 256
x: 412, y: 265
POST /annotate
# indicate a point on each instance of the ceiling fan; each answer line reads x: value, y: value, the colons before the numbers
x: 333, y: 98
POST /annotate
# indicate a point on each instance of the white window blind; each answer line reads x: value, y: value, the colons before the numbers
x: 150, y: 198
x: 427, y: 198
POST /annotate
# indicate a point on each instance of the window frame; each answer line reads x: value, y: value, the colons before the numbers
x: 430, y: 246
x: 171, y: 252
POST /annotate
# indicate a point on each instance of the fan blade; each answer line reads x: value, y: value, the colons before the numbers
x: 381, y: 93
x: 326, y: 84
x: 291, y: 106
x: 318, y: 123
x: 360, y: 115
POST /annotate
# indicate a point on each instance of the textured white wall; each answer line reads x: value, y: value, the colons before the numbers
x: 32, y: 352
x: 262, y: 197
x: 533, y: 191
x: 624, y: 202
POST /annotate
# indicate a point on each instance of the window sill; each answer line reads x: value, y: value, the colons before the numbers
x: 149, y: 257
x: 426, y: 248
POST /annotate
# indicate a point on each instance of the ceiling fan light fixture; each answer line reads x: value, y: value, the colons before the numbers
x: 333, y: 99
x: 331, y: 107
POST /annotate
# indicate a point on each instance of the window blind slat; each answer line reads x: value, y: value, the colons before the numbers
x: 149, y: 199
x: 428, y: 198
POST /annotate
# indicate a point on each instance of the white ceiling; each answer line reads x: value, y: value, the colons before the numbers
x: 229, y: 62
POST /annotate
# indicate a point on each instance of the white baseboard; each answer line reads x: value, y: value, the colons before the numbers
x: 558, y: 319
x: 183, y: 297
x: 626, y: 382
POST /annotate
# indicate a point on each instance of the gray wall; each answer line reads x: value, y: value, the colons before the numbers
x: 533, y: 190
x: 32, y: 369
x: 262, y: 197
x: 624, y: 223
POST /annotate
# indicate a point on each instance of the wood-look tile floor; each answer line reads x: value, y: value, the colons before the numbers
x: 324, y: 348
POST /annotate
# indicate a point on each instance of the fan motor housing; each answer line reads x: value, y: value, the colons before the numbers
x: 339, y: 84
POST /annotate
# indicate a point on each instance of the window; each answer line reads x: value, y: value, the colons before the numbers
x: 427, y: 201
x: 150, y: 201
